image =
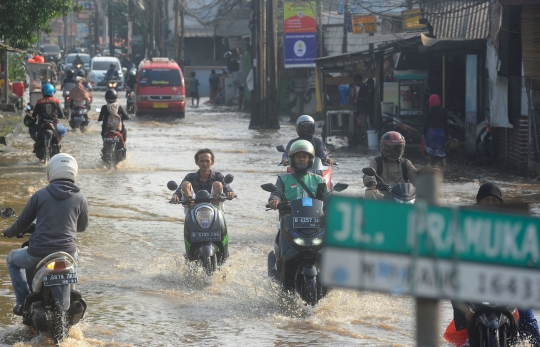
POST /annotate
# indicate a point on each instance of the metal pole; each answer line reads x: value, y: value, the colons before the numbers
x: 182, y: 35
x: 176, y: 29
x: 111, y: 31
x: 346, y: 16
x: 65, y: 36
x: 6, y: 74
x: 427, y: 310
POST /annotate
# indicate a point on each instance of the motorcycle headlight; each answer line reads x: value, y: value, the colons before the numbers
x: 299, y: 241
x: 204, y: 216
x: 179, y: 97
x: 316, y: 241
x: 143, y: 97
x: 405, y: 202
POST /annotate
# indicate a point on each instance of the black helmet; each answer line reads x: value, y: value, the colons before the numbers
x: 29, y: 121
x: 80, y: 73
x: 305, y: 126
x: 392, y: 145
x: 111, y: 95
x: 70, y: 73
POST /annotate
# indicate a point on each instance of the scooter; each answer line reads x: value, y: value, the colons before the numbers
x: 490, y: 325
x: 112, y: 83
x: 403, y: 192
x: 130, y: 101
x: 296, y: 258
x: 205, y: 231
x: 318, y: 168
x: 79, y: 117
x: 114, y: 147
x: 54, y: 304
x: 47, y: 144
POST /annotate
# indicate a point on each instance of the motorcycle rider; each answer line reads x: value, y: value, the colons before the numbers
x: 111, y: 96
x: 77, y: 61
x: 111, y: 73
x: 490, y: 194
x: 61, y: 210
x: 79, y: 96
x: 390, y: 165
x: 132, y: 79
x: 203, y: 179
x: 305, y: 129
x: 48, y: 107
x: 69, y: 82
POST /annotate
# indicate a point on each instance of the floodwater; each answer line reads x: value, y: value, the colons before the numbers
x: 132, y: 273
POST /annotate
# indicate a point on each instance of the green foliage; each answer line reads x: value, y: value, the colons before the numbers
x: 21, y: 20
x: 17, y: 70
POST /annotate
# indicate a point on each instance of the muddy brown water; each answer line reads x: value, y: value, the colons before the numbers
x: 132, y: 273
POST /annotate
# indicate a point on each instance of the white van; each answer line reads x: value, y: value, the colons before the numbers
x: 98, y: 69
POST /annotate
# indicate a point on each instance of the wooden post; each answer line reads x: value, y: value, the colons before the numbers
x: 427, y: 310
x: 6, y: 74
x: 346, y: 16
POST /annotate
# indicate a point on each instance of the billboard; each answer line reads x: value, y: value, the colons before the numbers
x: 300, y: 17
x: 300, y: 50
x: 411, y: 19
x: 364, y: 24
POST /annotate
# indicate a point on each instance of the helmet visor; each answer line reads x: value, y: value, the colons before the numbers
x: 393, y: 151
x: 306, y: 128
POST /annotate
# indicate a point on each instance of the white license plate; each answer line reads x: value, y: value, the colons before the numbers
x: 78, y: 119
x: 112, y: 139
x: 59, y: 279
x: 306, y: 222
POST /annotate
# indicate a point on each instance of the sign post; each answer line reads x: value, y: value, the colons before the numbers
x: 432, y: 252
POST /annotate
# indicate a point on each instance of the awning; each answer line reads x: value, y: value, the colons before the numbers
x: 430, y: 44
x: 4, y: 47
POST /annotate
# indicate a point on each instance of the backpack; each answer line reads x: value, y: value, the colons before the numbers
x: 114, y: 121
x: 404, y: 169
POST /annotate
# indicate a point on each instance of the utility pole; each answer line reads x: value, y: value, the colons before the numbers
x: 182, y: 35
x: 130, y: 30
x: 346, y: 18
x: 272, y: 117
x: 111, y: 30
x: 151, y: 5
x: 177, y: 30
x: 6, y: 74
x: 65, y: 35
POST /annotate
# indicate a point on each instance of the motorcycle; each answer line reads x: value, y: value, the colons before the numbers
x: 112, y: 83
x: 403, y: 192
x: 205, y: 231
x: 130, y: 102
x: 67, y: 99
x: 318, y: 168
x: 411, y: 129
x: 47, y: 144
x: 296, y: 258
x: 79, y: 67
x: 54, y: 305
x: 79, y: 117
x: 490, y: 325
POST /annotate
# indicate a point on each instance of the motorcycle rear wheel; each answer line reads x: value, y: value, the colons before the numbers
x: 60, y: 326
x: 309, y: 290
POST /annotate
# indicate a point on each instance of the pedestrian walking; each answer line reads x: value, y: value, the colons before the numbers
x: 435, y: 130
x: 194, y: 89
x: 214, y: 86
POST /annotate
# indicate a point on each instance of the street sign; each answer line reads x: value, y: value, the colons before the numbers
x: 411, y: 19
x: 431, y: 251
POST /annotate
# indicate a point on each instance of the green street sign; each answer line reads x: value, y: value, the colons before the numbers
x: 433, y: 231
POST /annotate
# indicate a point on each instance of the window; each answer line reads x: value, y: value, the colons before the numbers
x: 85, y: 58
x: 160, y: 77
x: 50, y: 49
x: 105, y: 65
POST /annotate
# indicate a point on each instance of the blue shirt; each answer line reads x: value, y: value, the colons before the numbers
x: 318, y: 144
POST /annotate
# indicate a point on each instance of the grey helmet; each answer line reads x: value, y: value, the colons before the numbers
x: 301, y: 146
x: 305, y: 126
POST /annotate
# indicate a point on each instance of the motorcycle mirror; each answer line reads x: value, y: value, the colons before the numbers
x: 228, y: 178
x: 368, y: 171
x: 8, y: 212
x: 171, y: 185
x: 280, y: 148
x: 339, y: 187
x: 269, y: 187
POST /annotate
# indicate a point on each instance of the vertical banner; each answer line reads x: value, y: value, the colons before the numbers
x: 300, y: 33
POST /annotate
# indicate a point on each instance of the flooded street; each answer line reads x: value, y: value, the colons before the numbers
x: 132, y: 273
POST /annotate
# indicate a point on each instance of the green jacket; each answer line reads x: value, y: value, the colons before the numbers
x: 293, y: 190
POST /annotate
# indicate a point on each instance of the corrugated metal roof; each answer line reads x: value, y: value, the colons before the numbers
x: 199, y: 31
x: 458, y: 19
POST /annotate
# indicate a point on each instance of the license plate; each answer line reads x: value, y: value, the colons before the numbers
x: 78, y: 119
x: 112, y: 139
x: 306, y: 222
x: 161, y: 105
x: 203, y: 236
x: 59, y: 279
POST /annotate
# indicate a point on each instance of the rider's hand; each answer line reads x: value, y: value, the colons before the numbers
x: 230, y: 195
x: 330, y: 161
x: 3, y: 233
x: 273, y: 204
x: 175, y: 198
x: 284, y: 162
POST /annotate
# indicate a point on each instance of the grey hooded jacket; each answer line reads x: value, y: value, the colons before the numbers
x: 60, y: 210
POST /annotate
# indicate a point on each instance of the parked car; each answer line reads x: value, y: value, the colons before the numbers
x: 50, y: 53
x: 98, y: 69
x: 160, y: 88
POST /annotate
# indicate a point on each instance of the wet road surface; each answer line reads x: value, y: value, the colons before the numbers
x: 132, y: 273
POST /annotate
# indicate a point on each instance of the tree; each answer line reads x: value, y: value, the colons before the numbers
x: 22, y: 20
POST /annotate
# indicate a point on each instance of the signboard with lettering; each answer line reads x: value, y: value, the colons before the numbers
x: 431, y: 251
x: 300, y: 50
x: 88, y: 8
x: 300, y: 17
x: 411, y: 19
x: 364, y: 24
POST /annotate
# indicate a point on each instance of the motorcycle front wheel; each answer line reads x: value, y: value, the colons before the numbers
x: 309, y: 290
x: 209, y: 264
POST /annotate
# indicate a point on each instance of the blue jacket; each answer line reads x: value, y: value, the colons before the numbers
x: 318, y: 144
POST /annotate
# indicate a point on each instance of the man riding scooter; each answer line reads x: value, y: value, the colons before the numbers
x: 47, y: 107
x: 305, y: 128
x: 390, y: 165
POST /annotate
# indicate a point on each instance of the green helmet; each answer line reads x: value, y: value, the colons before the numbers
x: 29, y: 121
x: 301, y: 146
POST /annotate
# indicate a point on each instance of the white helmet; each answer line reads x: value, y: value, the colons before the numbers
x: 62, y: 167
x: 305, y: 125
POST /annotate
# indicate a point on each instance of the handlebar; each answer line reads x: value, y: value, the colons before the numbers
x: 184, y: 202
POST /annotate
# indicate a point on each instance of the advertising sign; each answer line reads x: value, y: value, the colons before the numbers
x: 300, y: 50
x: 88, y: 7
x: 300, y: 17
x: 364, y: 24
x: 411, y: 19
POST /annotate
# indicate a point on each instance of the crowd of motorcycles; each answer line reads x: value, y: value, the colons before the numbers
x: 294, y: 262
